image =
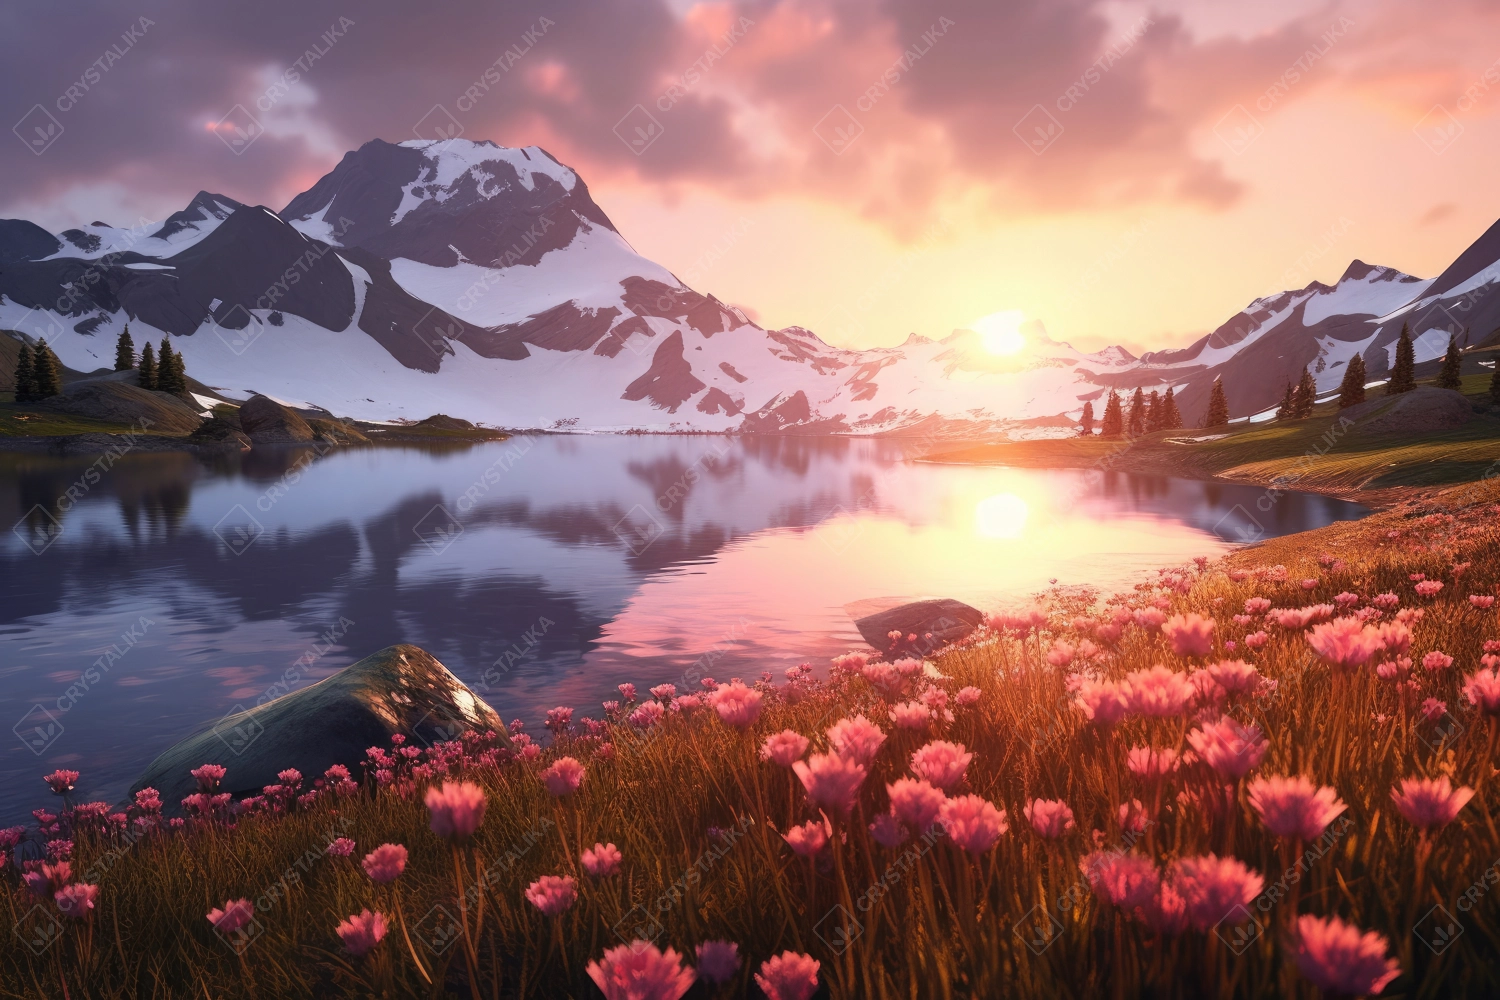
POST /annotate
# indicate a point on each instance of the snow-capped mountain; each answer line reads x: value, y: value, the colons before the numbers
x: 484, y: 282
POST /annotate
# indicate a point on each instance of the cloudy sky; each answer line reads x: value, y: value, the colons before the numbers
x: 1123, y: 172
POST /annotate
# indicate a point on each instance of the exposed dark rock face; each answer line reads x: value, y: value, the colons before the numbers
x: 22, y: 240
x: 401, y: 689
x: 670, y: 381
x: 934, y: 623
x: 268, y: 422
x: 505, y: 224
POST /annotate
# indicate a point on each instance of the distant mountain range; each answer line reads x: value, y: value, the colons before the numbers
x: 484, y: 282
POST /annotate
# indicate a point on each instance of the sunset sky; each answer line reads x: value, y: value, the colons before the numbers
x: 1123, y: 172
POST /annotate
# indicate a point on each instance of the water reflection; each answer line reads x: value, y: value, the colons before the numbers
x: 541, y: 570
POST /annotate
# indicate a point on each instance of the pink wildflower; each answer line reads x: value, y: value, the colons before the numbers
x: 1437, y: 660
x: 1235, y: 676
x: 1127, y: 881
x: 647, y: 715
x: 1482, y: 689
x: 1430, y: 803
x: 941, y: 763
x: 602, y: 860
x: 385, y: 863
x: 967, y: 696
x: 1337, y: 958
x: 61, y: 782
x: 341, y: 848
x: 911, y: 715
x: 237, y: 913
x: 736, y: 704
x: 1485, y: 601
x: 1166, y: 913
x: 857, y: 739
x: 639, y: 971
x: 1061, y: 654
x: 1149, y: 763
x: 784, y: 747
x: 1158, y: 692
x: 362, y: 932
x: 76, y: 900
x: 1102, y: 702
x: 1255, y: 640
x: 1257, y: 606
x: 808, y: 839
x: 915, y: 802
x: 1190, y: 634
x: 718, y: 961
x: 1293, y: 807
x: 562, y: 778
x: 1211, y: 887
x: 1345, y: 643
x: 457, y: 809
x: 1133, y: 817
x: 832, y: 782
x: 1427, y: 588
x: 972, y: 823
x: 1229, y: 748
x: 208, y: 776
x: 1050, y: 818
x: 788, y: 976
x: 552, y: 894
x: 627, y: 691
x: 1150, y: 619
x: 1433, y: 709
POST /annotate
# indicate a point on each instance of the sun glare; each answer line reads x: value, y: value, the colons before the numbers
x: 1001, y: 516
x: 1001, y: 331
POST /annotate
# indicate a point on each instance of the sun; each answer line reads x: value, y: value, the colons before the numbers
x: 1001, y: 332
x: 1001, y: 516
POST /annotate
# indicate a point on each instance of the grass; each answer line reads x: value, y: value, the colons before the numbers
x: 1317, y: 454
x: 922, y: 920
x: 19, y: 420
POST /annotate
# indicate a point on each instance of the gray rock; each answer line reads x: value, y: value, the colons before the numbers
x: 268, y: 422
x: 401, y: 689
x: 935, y: 624
x: 1421, y: 411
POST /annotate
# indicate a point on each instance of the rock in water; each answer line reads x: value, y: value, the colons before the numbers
x: 934, y: 623
x: 268, y: 422
x: 1423, y: 410
x: 401, y: 689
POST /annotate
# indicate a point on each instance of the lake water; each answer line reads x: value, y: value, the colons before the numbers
x: 541, y: 570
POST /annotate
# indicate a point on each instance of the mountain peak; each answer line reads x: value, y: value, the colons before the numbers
x: 205, y: 206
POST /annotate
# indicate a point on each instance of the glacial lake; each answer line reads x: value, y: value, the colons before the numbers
x: 541, y: 570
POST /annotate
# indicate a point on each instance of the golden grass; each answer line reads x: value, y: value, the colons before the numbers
x: 922, y: 920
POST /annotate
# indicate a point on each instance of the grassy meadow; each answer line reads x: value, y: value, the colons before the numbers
x: 718, y: 843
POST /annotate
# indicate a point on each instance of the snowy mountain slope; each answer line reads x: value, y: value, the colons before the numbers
x: 484, y: 282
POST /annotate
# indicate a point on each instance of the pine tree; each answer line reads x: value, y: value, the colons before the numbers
x: 1113, y: 424
x: 1284, y: 411
x: 1404, y: 371
x: 1086, y: 428
x: 1450, y: 377
x: 1153, y: 411
x: 147, y: 376
x: 1136, y: 422
x: 1218, y: 406
x: 164, y: 375
x: 1171, y: 418
x: 1352, y: 389
x: 1304, y: 396
x: 124, y: 351
x: 25, y: 375
x: 48, y: 372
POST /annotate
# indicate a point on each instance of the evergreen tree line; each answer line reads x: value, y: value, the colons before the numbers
x: 38, y: 373
x: 160, y: 370
x: 1155, y: 412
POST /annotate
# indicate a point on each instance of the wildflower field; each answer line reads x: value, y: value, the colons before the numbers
x: 1266, y: 776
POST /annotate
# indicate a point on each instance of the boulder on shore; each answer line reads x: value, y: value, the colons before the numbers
x: 935, y: 623
x: 268, y: 422
x: 401, y: 689
x: 1420, y: 411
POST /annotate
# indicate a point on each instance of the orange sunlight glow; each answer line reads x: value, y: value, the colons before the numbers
x: 1000, y: 332
x: 1001, y: 516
